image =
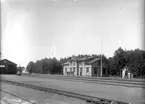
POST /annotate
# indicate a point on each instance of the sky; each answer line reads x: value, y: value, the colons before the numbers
x: 35, y: 29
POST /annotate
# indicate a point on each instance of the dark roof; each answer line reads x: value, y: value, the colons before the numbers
x: 74, y: 58
x: 92, y: 61
x: 80, y: 59
x: 88, y: 60
x: 5, y: 60
x: 65, y: 63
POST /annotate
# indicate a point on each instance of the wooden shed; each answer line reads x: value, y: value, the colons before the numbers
x: 7, y: 67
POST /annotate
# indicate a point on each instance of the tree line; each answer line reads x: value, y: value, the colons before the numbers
x: 45, y: 66
x: 133, y: 59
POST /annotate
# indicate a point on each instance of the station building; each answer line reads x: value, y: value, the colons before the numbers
x: 7, y: 67
x: 89, y: 66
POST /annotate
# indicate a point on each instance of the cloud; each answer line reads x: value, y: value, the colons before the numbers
x: 2, y: 1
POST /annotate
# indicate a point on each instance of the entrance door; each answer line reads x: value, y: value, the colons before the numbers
x: 95, y: 71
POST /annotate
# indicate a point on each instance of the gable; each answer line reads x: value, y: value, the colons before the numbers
x: 95, y: 64
x: 98, y: 63
x: 72, y: 63
x: 5, y: 61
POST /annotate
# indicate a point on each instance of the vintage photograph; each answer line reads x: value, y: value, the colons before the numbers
x: 72, y: 52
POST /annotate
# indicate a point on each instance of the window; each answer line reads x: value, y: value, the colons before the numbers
x: 70, y: 69
x: 74, y: 69
x: 81, y: 69
x: 87, y: 70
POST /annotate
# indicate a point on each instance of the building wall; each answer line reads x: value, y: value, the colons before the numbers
x: 9, y: 67
x: 3, y: 69
x: 86, y: 70
x: 96, y: 71
x: 64, y: 70
x: 128, y: 75
x: 72, y: 70
x: 93, y: 69
x: 97, y: 67
x: 123, y: 73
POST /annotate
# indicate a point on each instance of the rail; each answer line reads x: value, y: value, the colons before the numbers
x: 87, y: 98
x: 109, y: 81
x: 89, y: 77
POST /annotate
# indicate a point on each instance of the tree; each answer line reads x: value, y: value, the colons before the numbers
x: 112, y: 68
x: 56, y: 67
x: 46, y: 65
x: 31, y: 67
x: 143, y: 69
x: 135, y: 61
x: 134, y: 67
x: 38, y: 66
x: 119, y: 59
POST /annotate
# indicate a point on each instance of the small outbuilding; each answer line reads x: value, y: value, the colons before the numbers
x: 7, y: 67
x: 126, y: 73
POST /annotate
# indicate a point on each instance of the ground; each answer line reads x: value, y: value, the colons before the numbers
x: 119, y: 93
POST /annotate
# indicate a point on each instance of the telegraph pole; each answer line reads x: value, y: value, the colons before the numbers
x: 0, y: 55
x: 101, y: 67
x: 101, y: 55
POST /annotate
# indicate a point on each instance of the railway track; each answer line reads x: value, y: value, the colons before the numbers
x: 91, y: 99
x: 100, y: 80
x: 8, y: 98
